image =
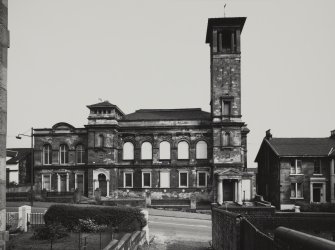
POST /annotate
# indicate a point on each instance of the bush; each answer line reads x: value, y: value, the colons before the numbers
x: 125, y: 218
x: 49, y: 232
x: 316, y: 207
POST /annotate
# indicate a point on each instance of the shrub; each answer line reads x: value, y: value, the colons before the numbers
x: 316, y: 207
x: 125, y: 218
x: 49, y: 232
x: 89, y: 226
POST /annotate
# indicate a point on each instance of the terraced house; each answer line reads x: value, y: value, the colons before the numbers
x: 173, y: 153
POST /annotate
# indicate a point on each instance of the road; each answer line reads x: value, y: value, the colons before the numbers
x: 180, y: 233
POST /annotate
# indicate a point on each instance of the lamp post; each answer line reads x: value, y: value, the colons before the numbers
x: 31, y: 163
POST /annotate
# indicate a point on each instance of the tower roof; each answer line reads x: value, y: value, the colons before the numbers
x: 237, y: 22
x: 105, y: 104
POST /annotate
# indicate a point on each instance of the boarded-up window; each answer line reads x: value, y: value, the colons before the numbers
x: 246, y: 190
x: 201, y: 150
x: 164, y: 150
x: 183, y: 150
x: 226, y: 109
x: 146, y: 151
x: 128, y: 151
x: 164, y: 179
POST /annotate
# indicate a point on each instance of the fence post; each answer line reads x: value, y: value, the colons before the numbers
x: 23, y: 213
x: 146, y: 228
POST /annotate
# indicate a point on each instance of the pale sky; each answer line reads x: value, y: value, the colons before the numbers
x: 66, y: 54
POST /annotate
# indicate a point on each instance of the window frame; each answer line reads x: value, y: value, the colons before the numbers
x: 76, y: 181
x: 143, y: 173
x: 226, y: 103
x: 82, y: 153
x: 49, y: 154
x: 295, y: 172
x: 187, y: 177
x: 226, y: 138
x: 43, y: 179
x: 320, y: 167
x: 296, y: 184
x: 124, y: 179
x: 198, y: 178
x: 66, y: 154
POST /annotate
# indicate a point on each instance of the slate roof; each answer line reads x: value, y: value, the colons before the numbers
x: 17, y: 154
x: 167, y: 114
x: 302, y: 146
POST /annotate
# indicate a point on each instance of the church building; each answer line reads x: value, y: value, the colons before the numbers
x: 171, y: 153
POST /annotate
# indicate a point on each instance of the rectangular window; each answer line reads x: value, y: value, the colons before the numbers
x: 128, y: 180
x: 183, y: 179
x: 46, y: 182
x: 296, y: 166
x: 296, y: 190
x: 226, y: 108
x: 146, y: 180
x: 317, y: 167
x: 202, y: 179
x: 164, y: 179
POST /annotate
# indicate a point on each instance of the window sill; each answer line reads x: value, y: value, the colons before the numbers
x: 297, y: 174
x: 296, y: 198
x: 317, y: 174
x: 183, y: 187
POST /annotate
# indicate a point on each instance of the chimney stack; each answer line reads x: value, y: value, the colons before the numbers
x: 332, y: 134
x: 268, y: 134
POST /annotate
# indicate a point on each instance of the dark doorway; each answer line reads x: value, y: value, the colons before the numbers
x: 63, y: 183
x: 228, y: 190
x: 317, y: 192
x: 102, y: 184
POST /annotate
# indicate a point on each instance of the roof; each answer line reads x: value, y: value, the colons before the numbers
x: 105, y: 104
x: 167, y: 114
x: 223, y: 22
x: 301, y: 146
x: 17, y: 153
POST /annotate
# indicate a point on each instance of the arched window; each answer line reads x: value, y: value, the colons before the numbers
x: 80, y: 153
x: 47, y: 154
x: 201, y: 150
x: 63, y: 154
x: 128, y: 151
x: 164, y: 150
x: 226, y: 139
x: 101, y: 141
x: 146, y: 151
x: 183, y: 150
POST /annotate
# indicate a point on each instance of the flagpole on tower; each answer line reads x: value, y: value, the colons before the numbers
x: 224, y: 10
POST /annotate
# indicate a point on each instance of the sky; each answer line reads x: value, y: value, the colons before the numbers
x: 139, y: 54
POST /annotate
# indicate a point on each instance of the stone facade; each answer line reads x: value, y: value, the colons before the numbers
x: 171, y: 153
x: 296, y: 169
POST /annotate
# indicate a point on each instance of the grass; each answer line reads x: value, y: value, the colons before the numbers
x: 23, y: 241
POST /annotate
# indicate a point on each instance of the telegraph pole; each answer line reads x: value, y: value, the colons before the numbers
x: 4, y: 45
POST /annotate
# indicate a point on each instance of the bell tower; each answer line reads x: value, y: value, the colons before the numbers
x: 229, y: 132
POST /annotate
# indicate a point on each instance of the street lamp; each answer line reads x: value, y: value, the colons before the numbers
x: 31, y: 163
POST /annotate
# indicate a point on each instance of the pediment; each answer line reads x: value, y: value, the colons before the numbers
x: 229, y: 172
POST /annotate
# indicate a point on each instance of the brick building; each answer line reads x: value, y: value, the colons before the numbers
x: 296, y: 169
x: 172, y: 153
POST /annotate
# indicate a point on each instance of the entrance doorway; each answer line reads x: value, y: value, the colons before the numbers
x: 317, y: 193
x: 63, y: 183
x: 102, y: 184
x: 228, y: 190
